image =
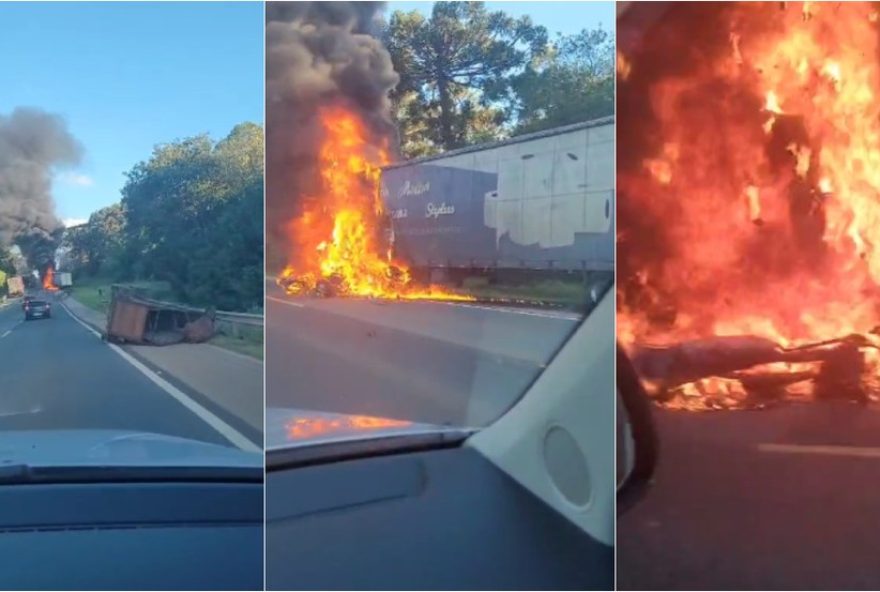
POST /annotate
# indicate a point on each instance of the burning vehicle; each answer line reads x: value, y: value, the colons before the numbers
x: 49, y: 282
x: 330, y: 131
x: 341, y: 238
x: 351, y: 219
x: 749, y: 208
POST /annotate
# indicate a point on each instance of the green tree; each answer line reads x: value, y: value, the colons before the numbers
x: 94, y: 247
x: 194, y: 218
x: 7, y: 261
x: 455, y: 67
x: 7, y: 267
x: 572, y: 82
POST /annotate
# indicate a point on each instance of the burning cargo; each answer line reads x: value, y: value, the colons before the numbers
x: 748, y: 371
x: 330, y: 131
x: 341, y: 247
x: 749, y: 182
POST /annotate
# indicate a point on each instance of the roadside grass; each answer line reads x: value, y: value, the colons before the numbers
x: 566, y: 293
x: 94, y: 292
x: 246, y: 340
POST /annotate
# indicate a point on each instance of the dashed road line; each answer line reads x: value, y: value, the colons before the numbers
x: 226, y: 430
x: 10, y: 330
x: 560, y: 316
x: 823, y: 450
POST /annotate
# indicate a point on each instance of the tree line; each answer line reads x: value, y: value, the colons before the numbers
x: 471, y: 75
x: 192, y: 216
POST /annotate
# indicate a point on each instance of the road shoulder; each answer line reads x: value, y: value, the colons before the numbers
x: 227, y: 383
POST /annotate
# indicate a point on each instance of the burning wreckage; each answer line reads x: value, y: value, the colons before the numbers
x: 749, y: 208
x: 343, y: 233
x: 352, y: 222
x: 749, y: 371
x: 329, y: 133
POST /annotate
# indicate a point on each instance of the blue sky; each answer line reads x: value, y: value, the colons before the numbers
x: 128, y: 77
x: 557, y: 17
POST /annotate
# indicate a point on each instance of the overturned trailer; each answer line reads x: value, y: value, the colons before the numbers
x: 133, y: 318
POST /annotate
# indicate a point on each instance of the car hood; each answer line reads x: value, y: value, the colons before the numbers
x: 102, y: 448
x: 290, y: 427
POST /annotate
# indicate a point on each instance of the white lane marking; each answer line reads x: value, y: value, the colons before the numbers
x: 853, y: 451
x: 561, y: 316
x: 282, y: 301
x: 11, y: 329
x: 226, y: 430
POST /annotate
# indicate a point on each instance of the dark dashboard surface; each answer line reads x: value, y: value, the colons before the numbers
x: 442, y: 519
x: 123, y: 536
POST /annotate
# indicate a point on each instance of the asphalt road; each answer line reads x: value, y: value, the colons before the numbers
x: 430, y: 362
x: 779, y: 499
x: 57, y: 375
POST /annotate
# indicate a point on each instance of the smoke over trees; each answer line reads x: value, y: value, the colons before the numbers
x: 33, y: 144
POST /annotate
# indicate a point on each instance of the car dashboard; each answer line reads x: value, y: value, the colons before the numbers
x: 443, y: 519
x: 140, y: 535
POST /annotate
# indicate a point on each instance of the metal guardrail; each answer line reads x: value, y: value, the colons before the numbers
x: 223, y: 316
x: 235, y: 320
x: 241, y: 318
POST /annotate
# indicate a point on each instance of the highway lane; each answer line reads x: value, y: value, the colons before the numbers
x: 424, y: 361
x: 779, y: 499
x: 10, y: 316
x: 57, y: 375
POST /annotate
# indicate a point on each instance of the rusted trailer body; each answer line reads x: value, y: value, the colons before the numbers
x: 135, y: 319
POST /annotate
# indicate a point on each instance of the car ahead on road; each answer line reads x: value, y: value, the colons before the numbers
x: 122, y: 510
x: 37, y: 309
x: 526, y: 502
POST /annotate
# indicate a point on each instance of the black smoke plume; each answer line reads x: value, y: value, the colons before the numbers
x: 33, y: 144
x: 317, y: 54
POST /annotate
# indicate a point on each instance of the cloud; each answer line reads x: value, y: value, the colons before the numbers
x: 77, y: 179
x: 68, y: 222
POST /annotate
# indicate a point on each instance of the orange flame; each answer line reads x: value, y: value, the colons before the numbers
x: 49, y: 280
x: 340, y: 239
x: 770, y: 199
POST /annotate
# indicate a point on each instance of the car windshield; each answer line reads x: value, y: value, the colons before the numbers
x: 131, y: 237
x: 430, y: 247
